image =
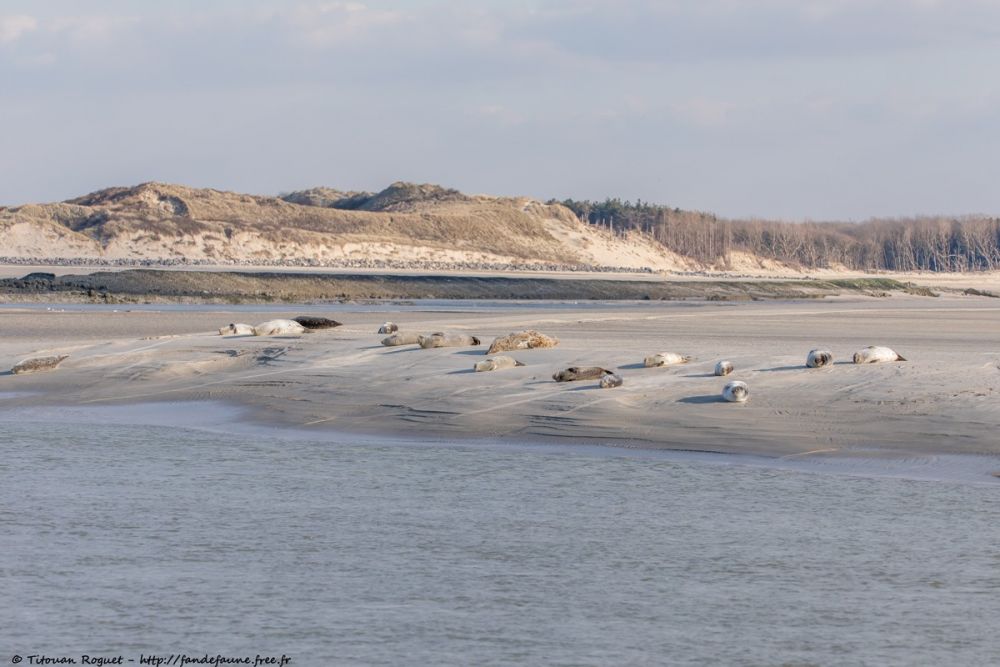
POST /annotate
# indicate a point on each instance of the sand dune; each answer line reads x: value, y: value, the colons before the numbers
x: 406, y: 225
x: 943, y: 400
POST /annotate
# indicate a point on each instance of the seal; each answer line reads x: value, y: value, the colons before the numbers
x: 310, y: 322
x: 237, y: 330
x: 736, y: 391
x: 496, y: 364
x: 574, y: 373
x: 398, y: 339
x: 612, y: 380
x: 874, y: 354
x: 724, y: 368
x: 523, y: 340
x: 665, y: 359
x: 38, y: 364
x: 819, y: 358
x: 388, y: 328
x: 278, y: 328
x: 440, y: 339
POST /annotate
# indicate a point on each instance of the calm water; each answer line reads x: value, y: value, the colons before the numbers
x: 365, y: 306
x: 125, y: 539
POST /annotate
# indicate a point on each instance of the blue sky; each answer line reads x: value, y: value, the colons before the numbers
x: 815, y: 109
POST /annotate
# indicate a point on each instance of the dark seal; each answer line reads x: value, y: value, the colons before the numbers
x: 316, y: 322
x: 574, y: 373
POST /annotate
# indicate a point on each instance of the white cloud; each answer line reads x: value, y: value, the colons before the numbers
x: 89, y: 28
x: 702, y: 111
x: 12, y: 27
x: 334, y: 23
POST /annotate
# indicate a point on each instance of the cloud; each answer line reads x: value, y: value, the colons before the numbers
x: 332, y: 24
x: 89, y: 30
x: 13, y: 27
x: 714, y: 104
x: 702, y: 111
x: 676, y: 31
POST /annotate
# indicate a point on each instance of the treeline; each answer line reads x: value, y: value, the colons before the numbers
x: 969, y: 243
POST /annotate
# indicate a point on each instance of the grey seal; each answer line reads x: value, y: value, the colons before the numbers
x: 398, y: 339
x: 440, y: 339
x: 496, y: 364
x: 523, y: 340
x: 38, y: 364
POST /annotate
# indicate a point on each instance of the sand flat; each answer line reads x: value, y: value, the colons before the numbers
x: 944, y: 400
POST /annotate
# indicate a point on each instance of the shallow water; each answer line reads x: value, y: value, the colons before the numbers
x: 362, y: 306
x: 125, y: 539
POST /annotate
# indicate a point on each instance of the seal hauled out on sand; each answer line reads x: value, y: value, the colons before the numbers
x: 612, y: 380
x: 736, y: 391
x: 665, y: 359
x: 724, y: 368
x: 239, y: 329
x: 38, y: 364
x: 397, y: 339
x: 388, y: 328
x: 278, y: 328
x: 574, y: 373
x: 440, y: 339
x: 310, y: 322
x: 496, y: 364
x: 874, y: 354
x: 819, y: 358
x: 523, y: 340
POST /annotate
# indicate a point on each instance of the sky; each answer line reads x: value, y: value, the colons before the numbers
x: 793, y: 109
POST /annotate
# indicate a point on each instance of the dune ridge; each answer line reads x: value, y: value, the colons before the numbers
x: 403, y: 224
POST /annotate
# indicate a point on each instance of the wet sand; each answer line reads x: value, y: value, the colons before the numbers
x: 942, y: 401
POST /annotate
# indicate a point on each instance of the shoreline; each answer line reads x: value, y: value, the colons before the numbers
x: 232, y: 287
x: 941, y: 402
x: 866, y: 463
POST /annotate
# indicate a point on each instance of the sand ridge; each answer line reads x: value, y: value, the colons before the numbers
x: 942, y: 401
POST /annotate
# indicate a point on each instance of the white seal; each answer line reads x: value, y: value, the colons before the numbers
x: 874, y: 354
x: 665, y: 359
x: 736, y: 392
x: 819, y: 358
x: 239, y: 329
x: 388, y: 328
x: 611, y: 380
x: 724, y: 368
x: 278, y: 328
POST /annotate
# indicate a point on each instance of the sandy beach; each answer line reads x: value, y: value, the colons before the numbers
x: 943, y: 400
